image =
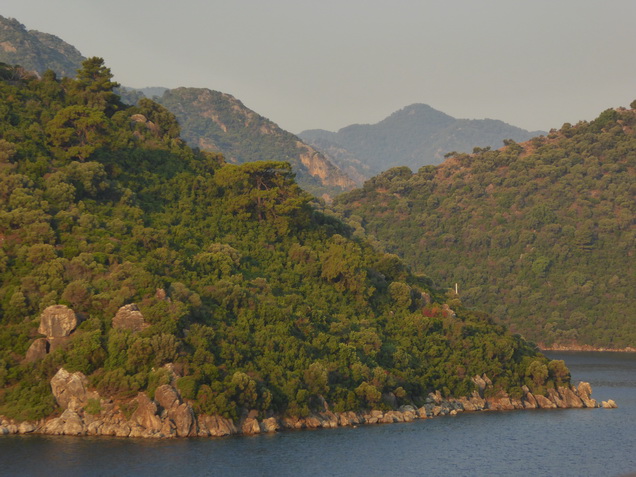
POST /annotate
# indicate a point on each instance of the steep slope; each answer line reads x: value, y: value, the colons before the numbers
x: 218, y: 279
x: 211, y: 121
x: 214, y: 121
x: 541, y: 234
x: 415, y: 136
x: 36, y: 51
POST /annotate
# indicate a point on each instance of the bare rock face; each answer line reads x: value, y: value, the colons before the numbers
x: 38, y: 350
x: 68, y: 424
x: 179, y: 414
x: 55, y: 343
x: 216, y: 426
x: 543, y: 402
x: 250, y: 426
x: 57, y: 321
x: 129, y: 317
x: 270, y: 425
x: 529, y: 401
x: 70, y: 389
x: 167, y: 397
x: 554, y: 396
x: 570, y: 399
x: 584, y: 390
x: 146, y: 414
x: 184, y: 420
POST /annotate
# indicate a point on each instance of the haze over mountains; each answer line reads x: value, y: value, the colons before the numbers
x: 36, y: 51
x: 414, y: 136
x: 326, y: 164
x: 210, y: 120
x: 215, y: 121
x: 541, y: 234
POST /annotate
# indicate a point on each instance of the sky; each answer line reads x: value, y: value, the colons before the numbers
x: 308, y: 64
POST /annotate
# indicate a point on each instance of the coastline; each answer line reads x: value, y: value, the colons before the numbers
x: 168, y: 416
x: 587, y: 348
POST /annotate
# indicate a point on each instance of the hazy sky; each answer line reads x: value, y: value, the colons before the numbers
x: 327, y: 64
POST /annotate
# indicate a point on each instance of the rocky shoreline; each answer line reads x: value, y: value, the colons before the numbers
x: 629, y: 349
x: 168, y: 415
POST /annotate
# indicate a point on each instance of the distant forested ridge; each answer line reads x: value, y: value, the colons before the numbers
x: 210, y: 120
x: 36, y: 51
x: 540, y: 234
x: 215, y: 121
x: 414, y: 136
x: 224, y: 280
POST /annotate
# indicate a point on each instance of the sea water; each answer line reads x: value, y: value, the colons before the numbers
x: 570, y: 442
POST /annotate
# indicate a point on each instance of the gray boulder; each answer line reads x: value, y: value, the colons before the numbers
x: 146, y: 414
x: 128, y: 317
x: 57, y: 321
x: 38, y: 350
x: 71, y: 389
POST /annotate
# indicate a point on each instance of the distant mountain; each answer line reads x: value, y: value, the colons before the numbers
x: 152, y: 91
x: 37, y: 51
x: 215, y: 121
x: 414, y: 136
x: 210, y: 120
x: 541, y: 234
x: 133, y: 95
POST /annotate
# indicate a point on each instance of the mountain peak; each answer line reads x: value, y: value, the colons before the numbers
x: 36, y: 51
x: 413, y: 136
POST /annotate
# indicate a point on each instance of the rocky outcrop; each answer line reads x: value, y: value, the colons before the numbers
x: 584, y: 391
x: 609, y: 404
x: 322, y: 168
x: 216, y: 426
x: 71, y: 390
x: 57, y: 321
x: 169, y: 416
x: 128, y: 317
x: 178, y: 413
x: 38, y: 350
x: 146, y: 415
x: 68, y: 424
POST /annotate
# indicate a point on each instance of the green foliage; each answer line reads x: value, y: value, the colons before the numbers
x: 539, y: 234
x: 214, y: 121
x: 257, y: 300
x: 93, y: 407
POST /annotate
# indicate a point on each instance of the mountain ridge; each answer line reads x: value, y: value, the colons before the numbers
x: 541, y: 233
x: 37, y: 51
x: 414, y: 136
x: 216, y: 121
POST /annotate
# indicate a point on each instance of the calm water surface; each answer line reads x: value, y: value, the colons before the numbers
x: 588, y: 442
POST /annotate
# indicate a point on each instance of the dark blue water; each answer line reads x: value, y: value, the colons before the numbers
x: 588, y: 442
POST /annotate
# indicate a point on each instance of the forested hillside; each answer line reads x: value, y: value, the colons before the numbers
x: 414, y: 136
x: 540, y: 234
x: 236, y: 285
x: 215, y: 121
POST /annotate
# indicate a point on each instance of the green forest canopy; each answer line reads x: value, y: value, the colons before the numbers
x: 542, y: 234
x: 259, y: 300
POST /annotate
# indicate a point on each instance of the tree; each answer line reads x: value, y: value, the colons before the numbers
x: 94, y: 87
x: 77, y: 131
